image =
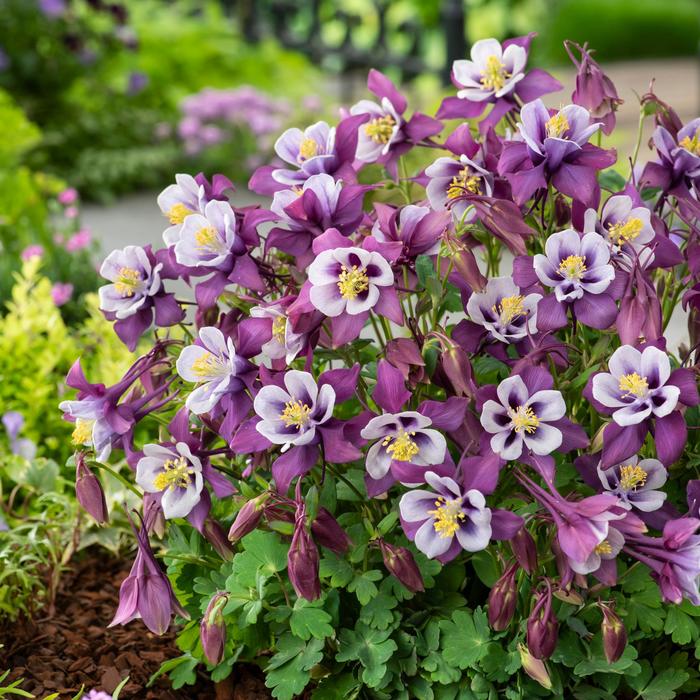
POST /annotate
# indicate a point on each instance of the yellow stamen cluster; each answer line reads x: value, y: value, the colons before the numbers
x: 691, y: 144
x: 463, y: 183
x: 401, y: 448
x: 573, y: 267
x: 178, y: 213
x: 448, y: 516
x: 494, y: 76
x: 127, y: 281
x: 633, y: 385
x: 352, y: 282
x: 176, y: 474
x: 295, y: 414
x: 509, y: 309
x: 557, y: 125
x: 308, y: 148
x: 207, y: 238
x: 625, y: 232
x: 381, y: 129
x: 206, y: 365
x: 82, y: 433
x: 603, y: 548
x: 523, y: 419
x: 631, y: 477
x: 279, y: 328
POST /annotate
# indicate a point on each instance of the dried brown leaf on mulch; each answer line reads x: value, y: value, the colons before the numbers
x: 75, y: 648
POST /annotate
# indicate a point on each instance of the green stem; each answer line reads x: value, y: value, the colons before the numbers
x: 125, y: 482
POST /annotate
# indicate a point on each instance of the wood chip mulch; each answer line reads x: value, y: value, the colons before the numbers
x: 73, y: 647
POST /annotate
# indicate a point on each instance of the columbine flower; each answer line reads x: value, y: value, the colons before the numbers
x: 404, y: 437
x: 445, y: 520
x: 635, y: 483
x: 24, y: 447
x: 175, y: 473
x: 178, y: 201
x: 636, y: 385
x: 419, y: 229
x: 214, y: 365
x: 284, y: 343
x: 290, y: 417
x: 377, y: 136
x: 605, y: 551
x: 507, y: 314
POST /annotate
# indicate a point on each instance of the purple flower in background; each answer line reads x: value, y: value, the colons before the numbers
x: 68, y: 196
x: 554, y: 147
x: 520, y: 420
x: 24, y: 447
x: 504, y: 311
x: 444, y: 521
x: 678, y: 167
x: 404, y: 437
x: 53, y: 8
x: 290, y: 416
x: 175, y: 473
x: 61, y: 293
x: 635, y: 482
x: 138, y: 82
x: 32, y: 251
x: 178, y: 201
x: 215, y: 366
x: 79, y: 240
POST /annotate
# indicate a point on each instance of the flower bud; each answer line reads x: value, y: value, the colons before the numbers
x: 534, y: 667
x: 404, y: 353
x: 217, y: 538
x: 248, y: 517
x: 88, y: 490
x: 455, y: 364
x: 329, y: 534
x: 614, y: 634
x: 212, y: 629
x: 542, y: 626
x: 303, y: 559
x: 503, y: 597
x: 525, y: 550
x: 400, y: 563
x: 467, y: 268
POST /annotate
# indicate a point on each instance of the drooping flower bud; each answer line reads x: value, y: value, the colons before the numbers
x: 503, y: 597
x: 248, y: 517
x: 217, y: 538
x: 467, y: 267
x: 329, y: 534
x: 400, y: 563
x: 212, y: 629
x: 302, y: 558
x: 534, y: 668
x: 88, y: 490
x: 542, y: 626
x: 456, y: 365
x: 525, y: 550
x: 614, y: 634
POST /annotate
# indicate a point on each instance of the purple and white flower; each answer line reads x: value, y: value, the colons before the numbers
x: 636, y: 385
x: 504, y: 311
x: 520, y: 421
x: 402, y: 437
x: 180, y: 200
x: 290, y: 415
x: 378, y: 135
x: 133, y: 280
x: 348, y: 280
x: 444, y: 521
x: 215, y: 366
x: 636, y: 482
x: 605, y: 550
x: 175, y: 473
x: 311, y: 151
x: 284, y: 343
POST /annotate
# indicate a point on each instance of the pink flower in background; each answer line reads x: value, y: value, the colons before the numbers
x: 79, y: 241
x: 68, y: 196
x: 61, y: 293
x: 71, y: 212
x: 32, y: 251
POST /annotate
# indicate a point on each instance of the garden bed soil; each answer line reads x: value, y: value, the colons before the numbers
x: 74, y: 648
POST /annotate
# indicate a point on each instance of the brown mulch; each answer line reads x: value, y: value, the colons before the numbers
x: 73, y: 647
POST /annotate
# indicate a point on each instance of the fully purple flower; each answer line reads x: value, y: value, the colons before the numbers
x: 146, y: 592
x: 446, y: 520
x: 418, y: 229
x: 636, y: 482
x: 554, y: 148
x: 175, y: 473
x: 504, y: 311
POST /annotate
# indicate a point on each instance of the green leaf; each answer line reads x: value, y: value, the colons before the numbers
x: 309, y: 621
x: 424, y: 269
x: 680, y: 626
x: 336, y: 569
x: 663, y: 687
x: 597, y: 663
x: 287, y: 672
x: 267, y: 549
x: 486, y: 568
x: 363, y: 585
x: 343, y: 686
x: 371, y: 647
x: 465, y: 638
x: 378, y: 612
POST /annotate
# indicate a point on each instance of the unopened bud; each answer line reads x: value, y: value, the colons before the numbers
x: 468, y: 269
x: 217, y: 538
x: 248, y: 517
x: 212, y: 629
x: 525, y: 550
x: 614, y: 634
x: 303, y: 559
x: 400, y: 563
x: 542, y: 626
x: 88, y: 490
x: 535, y: 668
x: 329, y: 534
x: 503, y: 598
x: 455, y: 364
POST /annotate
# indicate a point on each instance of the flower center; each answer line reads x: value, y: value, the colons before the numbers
x: 603, y: 548
x: 631, y: 477
x: 295, y: 414
x: 401, y: 447
x: 82, y: 433
x: 509, y: 309
x: 176, y: 473
x: 633, y: 385
x: 208, y: 239
x: 691, y: 144
x: 448, y: 516
x: 352, y: 282
x: 178, y: 213
x: 207, y: 365
x: 523, y: 419
x: 127, y: 281
x: 494, y: 76
x: 625, y: 232
x: 279, y: 329
x: 308, y: 149
x: 557, y: 125
x: 381, y: 128
x: 462, y: 183
x: 573, y: 267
